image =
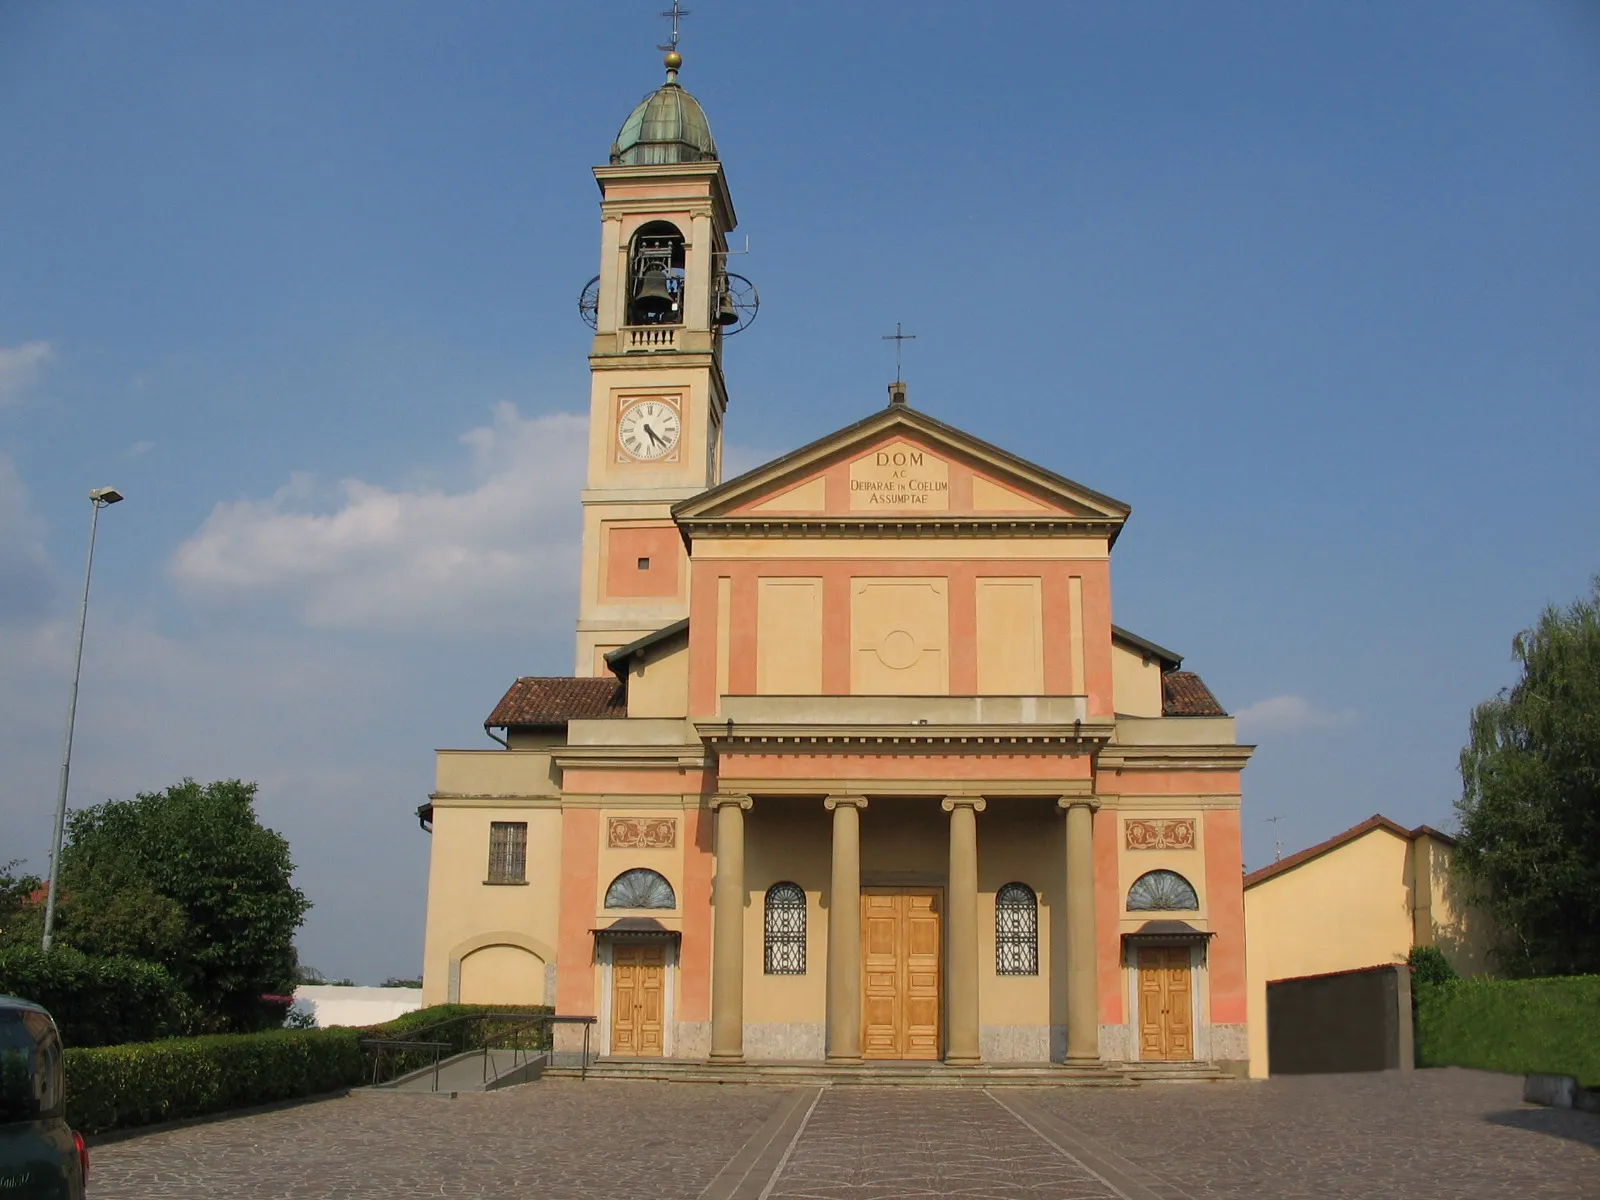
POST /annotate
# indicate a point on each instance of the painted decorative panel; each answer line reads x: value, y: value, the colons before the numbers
x: 1159, y: 835
x: 642, y: 833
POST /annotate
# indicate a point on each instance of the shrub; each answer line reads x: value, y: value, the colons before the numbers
x: 97, y: 1001
x: 1513, y: 1025
x: 116, y: 1087
x: 1430, y: 966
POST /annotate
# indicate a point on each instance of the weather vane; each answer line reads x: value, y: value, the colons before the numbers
x: 899, y: 339
x: 675, y: 15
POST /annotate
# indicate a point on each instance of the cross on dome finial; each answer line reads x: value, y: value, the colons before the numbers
x: 673, y: 60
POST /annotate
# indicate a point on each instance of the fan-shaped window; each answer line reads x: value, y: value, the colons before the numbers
x: 640, y: 888
x: 1161, y: 891
x: 786, y: 930
x: 1016, y: 930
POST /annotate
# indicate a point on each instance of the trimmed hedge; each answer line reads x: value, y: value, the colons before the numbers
x: 1516, y: 1026
x: 97, y: 1001
x: 116, y: 1087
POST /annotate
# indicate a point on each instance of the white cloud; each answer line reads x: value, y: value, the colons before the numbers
x: 1290, y: 714
x: 502, y: 549
x: 26, y: 576
x: 20, y: 367
x: 138, y: 450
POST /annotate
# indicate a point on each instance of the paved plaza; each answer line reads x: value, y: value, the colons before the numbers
x: 1449, y: 1133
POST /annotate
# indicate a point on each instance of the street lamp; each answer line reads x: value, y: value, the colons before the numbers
x: 98, y: 498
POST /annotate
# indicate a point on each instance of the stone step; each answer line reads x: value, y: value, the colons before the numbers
x: 875, y: 1074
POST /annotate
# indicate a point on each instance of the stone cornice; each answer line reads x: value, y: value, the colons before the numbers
x: 630, y: 757
x: 1174, y: 758
x: 766, y: 526
x: 503, y: 800
x: 1054, y: 740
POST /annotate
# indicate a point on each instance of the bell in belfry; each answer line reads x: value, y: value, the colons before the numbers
x: 726, y: 313
x: 652, y: 298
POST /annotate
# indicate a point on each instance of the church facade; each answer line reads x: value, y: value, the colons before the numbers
x: 854, y: 764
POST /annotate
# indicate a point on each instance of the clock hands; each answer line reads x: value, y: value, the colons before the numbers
x: 651, y: 434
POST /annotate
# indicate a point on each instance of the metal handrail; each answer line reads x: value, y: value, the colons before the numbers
x: 524, y: 1021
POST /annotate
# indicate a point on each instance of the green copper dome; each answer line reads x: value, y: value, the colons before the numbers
x: 668, y: 126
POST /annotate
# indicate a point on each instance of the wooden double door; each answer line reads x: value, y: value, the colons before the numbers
x: 638, y: 998
x: 1166, y: 1005
x: 901, y: 938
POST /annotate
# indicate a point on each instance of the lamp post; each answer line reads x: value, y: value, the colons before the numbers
x: 98, y: 498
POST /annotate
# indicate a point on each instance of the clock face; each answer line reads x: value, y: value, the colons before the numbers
x: 649, y: 430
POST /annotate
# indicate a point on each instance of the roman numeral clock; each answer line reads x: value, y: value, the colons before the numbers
x: 648, y: 430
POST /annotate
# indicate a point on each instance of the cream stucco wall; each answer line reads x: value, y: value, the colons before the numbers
x: 1135, y: 682
x: 658, y: 686
x: 1346, y: 909
x: 467, y: 916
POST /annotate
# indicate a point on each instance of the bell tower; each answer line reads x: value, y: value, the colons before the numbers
x: 660, y: 308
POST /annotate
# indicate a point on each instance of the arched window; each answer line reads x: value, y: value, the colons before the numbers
x: 655, y: 275
x: 785, y: 930
x: 1016, y: 930
x: 640, y: 888
x: 1162, y: 891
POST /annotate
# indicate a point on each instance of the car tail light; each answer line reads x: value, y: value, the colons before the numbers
x: 83, y: 1154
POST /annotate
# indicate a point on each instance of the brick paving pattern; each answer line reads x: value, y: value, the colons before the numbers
x: 1435, y: 1134
x: 1431, y: 1135
x: 542, y: 1141
x: 871, y: 1143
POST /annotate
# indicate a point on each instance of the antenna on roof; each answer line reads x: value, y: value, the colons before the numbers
x: 897, y: 389
x: 1277, y: 842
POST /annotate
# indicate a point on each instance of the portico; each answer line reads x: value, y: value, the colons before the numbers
x: 959, y: 956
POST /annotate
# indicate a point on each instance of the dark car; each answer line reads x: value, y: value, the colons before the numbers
x: 40, y: 1157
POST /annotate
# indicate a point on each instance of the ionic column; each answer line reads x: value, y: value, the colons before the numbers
x: 962, y: 932
x: 727, y: 934
x: 844, y: 931
x: 1083, y: 993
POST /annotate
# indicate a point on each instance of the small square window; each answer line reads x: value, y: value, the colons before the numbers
x: 644, y: 564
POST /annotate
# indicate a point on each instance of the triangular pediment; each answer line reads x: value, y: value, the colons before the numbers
x: 903, y: 465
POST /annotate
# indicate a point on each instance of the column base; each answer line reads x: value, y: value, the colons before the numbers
x: 962, y: 1060
x: 725, y: 1059
x: 835, y: 1061
x: 1083, y: 1060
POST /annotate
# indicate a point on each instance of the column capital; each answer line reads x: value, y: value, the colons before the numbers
x: 717, y: 802
x: 1092, y: 803
x: 976, y: 803
x: 832, y: 802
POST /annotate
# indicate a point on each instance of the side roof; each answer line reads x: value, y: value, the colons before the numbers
x: 1376, y: 821
x: 549, y: 702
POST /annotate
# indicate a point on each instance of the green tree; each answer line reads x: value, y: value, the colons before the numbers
x: 189, y: 878
x: 1530, y: 799
x: 17, y: 889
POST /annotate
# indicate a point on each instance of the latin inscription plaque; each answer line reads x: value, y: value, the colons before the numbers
x: 899, y: 477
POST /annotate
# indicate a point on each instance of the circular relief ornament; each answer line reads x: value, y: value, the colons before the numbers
x: 898, y: 650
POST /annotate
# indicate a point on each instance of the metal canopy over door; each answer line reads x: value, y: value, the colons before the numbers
x: 638, y: 998
x: 900, y: 972
x: 1166, y: 1024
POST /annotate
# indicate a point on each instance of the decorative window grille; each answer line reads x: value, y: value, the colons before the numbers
x: 508, y: 852
x: 640, y: 888
x: 786, y: 930
x: 1162, y: 891
x: 1016, y: 930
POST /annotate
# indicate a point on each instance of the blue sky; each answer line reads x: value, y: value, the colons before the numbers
x: 1312, y: 286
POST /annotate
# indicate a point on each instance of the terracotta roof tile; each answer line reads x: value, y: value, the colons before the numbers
x: 543, y: 700
x: 1184, y: 694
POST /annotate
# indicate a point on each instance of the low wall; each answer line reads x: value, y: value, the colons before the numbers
x: 359, y: 1006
